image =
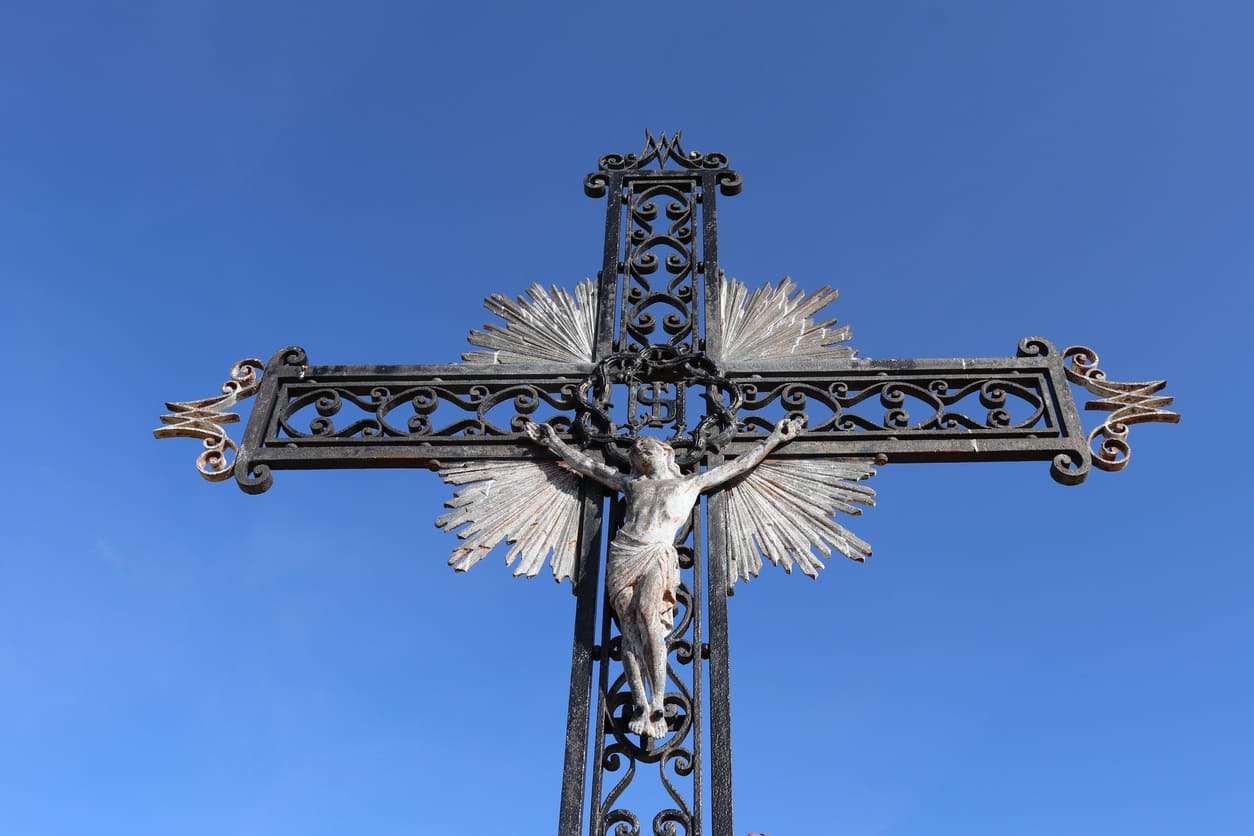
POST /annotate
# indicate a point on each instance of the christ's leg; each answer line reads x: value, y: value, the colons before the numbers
x: 634, y: 655
x: 656, y: 656
x: 652, y: 611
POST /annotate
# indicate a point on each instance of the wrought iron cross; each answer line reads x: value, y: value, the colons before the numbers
x: 661, y: 345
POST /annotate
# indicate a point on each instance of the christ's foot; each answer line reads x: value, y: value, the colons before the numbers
x: 639, y: 723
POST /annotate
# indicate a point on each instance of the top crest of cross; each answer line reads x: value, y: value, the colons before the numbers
x: 662, y: 150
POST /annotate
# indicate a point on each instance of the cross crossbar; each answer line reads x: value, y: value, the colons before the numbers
x: 901, y: 411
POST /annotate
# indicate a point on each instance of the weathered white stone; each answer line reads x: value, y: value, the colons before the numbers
x: 642, y: 569
x: 777, y: 509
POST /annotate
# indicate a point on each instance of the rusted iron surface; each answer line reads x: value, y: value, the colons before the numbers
x: 1127, y: 403
x: 204, y: 419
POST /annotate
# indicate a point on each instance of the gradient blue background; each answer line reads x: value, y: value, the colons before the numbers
x: 183, y: 184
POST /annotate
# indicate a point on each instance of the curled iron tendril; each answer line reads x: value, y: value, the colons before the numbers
x: 1128, y: 404
x: 663, y: 149
x: 204, y: 419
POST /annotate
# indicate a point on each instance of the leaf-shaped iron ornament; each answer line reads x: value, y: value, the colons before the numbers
x: 548, y: 326
x: 776, y: 323
x: 783, y: 509
x: 533, y: 506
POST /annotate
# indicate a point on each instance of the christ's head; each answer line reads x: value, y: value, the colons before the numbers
x: 654, y: 459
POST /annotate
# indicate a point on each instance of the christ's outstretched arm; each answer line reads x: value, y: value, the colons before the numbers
x: 579, y: 462
x: 785, y: 430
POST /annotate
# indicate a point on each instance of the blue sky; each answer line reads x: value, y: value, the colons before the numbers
x: 186, y: 184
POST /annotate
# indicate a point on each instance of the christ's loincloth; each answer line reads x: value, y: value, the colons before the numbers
x: 648, y: 571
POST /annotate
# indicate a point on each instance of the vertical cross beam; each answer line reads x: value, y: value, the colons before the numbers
x: 658, y: 289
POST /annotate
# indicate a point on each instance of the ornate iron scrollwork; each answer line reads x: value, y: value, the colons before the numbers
x: 204, y: 419
x: 408, y: 412
x: 663, y: 219
x: 651, y: 243
x: 907, y: 406
x: 661, y: 150
x: 643, y: 373
x: 1128, y: 404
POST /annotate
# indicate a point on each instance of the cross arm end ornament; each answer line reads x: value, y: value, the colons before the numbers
x: 205, y: 419
x: 1127, y: 403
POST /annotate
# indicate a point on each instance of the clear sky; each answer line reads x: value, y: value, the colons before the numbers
x: 183, y: 184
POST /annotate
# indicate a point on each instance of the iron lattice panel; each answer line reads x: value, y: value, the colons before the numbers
x: 979, y: 409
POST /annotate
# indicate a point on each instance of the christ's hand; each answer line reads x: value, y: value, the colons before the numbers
x: 539, y: 433
x: 788, y: 428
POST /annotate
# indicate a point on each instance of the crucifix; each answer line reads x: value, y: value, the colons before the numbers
x: 702, y: 426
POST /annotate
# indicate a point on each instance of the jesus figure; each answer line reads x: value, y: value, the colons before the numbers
x: 642, y: 570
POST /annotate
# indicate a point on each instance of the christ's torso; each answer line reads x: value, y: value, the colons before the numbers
x: 656, y: 508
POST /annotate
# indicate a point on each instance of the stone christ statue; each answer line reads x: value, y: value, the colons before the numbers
x: 642, y: 570
x: 781, y: 510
